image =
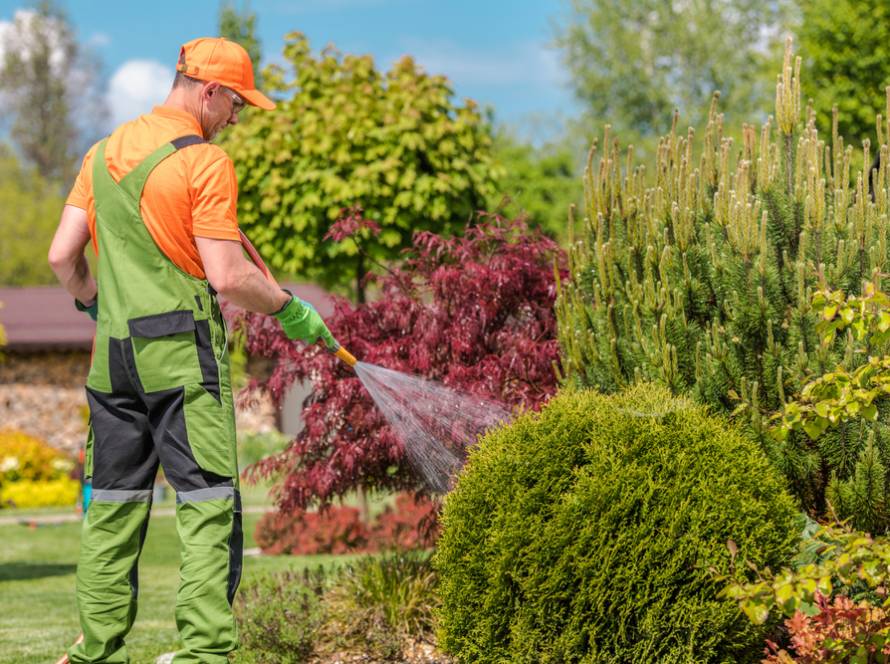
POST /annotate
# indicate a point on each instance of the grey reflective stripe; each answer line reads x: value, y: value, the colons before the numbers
x: 122, y: 496
x: 199, y: 495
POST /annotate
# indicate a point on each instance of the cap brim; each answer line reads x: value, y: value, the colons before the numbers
x: 256, y: 98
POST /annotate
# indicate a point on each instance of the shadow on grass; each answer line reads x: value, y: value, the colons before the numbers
x: 22, y: 571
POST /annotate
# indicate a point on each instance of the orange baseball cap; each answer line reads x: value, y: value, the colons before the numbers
x: 227, y: 63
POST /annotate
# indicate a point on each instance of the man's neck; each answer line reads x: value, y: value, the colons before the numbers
x: 181, y: 100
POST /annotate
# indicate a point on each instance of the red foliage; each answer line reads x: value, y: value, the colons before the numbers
x: 348, y: 225
x: 474, y: 313
x: 411, y: 525
x: 335, y: 530
x: 841, y: 631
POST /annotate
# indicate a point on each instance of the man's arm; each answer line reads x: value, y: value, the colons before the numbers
x: 66, y: 255
x: 233, y: 276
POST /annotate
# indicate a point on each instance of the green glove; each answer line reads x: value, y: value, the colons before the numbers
x: 91, y: 310
x: 300, y: 320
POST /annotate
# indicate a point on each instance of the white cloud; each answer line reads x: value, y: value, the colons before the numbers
x: 135, y: 87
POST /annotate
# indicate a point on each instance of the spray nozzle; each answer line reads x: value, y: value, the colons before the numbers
x: 343, y: 354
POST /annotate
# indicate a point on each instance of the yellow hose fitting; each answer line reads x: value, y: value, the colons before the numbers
x: 345, y: 356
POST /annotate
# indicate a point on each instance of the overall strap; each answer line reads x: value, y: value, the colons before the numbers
x: 134, y: 181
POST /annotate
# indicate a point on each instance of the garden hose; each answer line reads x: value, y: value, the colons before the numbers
x: 339, y: 352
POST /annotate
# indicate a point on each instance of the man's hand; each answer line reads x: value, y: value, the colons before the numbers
x: 300, y: 320
x: 91, y: 310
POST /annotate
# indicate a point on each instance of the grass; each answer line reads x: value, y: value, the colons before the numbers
x: 37, y: 568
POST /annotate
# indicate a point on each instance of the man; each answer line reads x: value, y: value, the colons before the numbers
x: 158, y: 202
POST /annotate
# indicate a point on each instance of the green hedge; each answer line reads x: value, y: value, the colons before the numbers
x: 592, y: 532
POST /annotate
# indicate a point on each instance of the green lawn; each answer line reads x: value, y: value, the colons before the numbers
x: 37, y: 589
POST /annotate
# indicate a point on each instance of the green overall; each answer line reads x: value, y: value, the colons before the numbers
x: 159, y: 392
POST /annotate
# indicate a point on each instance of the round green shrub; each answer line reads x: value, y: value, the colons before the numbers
x: 597, y: 529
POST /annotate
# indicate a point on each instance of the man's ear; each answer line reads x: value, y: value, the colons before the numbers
x: 211, y: 88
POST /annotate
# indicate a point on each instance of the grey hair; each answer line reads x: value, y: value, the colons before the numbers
x: 183, y: 81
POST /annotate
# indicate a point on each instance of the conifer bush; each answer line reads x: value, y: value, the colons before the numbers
x: 597, y: 530
x: 700, y: 273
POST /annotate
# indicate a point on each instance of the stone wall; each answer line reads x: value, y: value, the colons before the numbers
x: 42, y: 394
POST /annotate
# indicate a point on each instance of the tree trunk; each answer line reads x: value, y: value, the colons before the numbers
x: 360, y: 273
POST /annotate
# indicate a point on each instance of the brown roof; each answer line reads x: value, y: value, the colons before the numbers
x: 44, y: 317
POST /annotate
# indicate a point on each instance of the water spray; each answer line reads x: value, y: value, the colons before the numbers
x: 434, y: 422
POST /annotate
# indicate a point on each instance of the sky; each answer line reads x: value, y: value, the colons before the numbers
x: 497, y: 52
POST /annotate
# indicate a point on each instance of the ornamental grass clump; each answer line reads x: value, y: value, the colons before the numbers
x: 600, y: 530
x: 372, y: 609
x: 700, y: 273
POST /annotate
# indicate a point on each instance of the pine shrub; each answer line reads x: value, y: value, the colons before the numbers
x: 699, y: 273
x: 598, y: 531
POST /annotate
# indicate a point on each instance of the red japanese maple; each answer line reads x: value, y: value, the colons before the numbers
x: 473, y: 312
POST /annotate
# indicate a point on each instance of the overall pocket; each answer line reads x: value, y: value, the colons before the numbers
x: 210, y: 427
x: 165, y: 350
x: 99, y: 378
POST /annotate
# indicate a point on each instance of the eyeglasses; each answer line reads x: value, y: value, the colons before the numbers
x: 238, y: 102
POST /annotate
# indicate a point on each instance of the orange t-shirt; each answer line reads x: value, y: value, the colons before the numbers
x: 193, y: 192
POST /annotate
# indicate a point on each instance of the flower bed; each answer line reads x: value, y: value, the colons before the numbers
x: 33, y: 474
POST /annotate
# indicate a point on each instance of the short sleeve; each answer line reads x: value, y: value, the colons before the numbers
x: 215, y: 197
x: 82, y: 190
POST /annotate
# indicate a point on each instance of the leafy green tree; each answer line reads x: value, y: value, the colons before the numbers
x: 540, y: 182
x: 240, y: 27
x: 703, y: 280
x: 47, y: 82
x: 29, y: 210
x: 346, y: 135
x: 846, y: 49
x: 633, y: 63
